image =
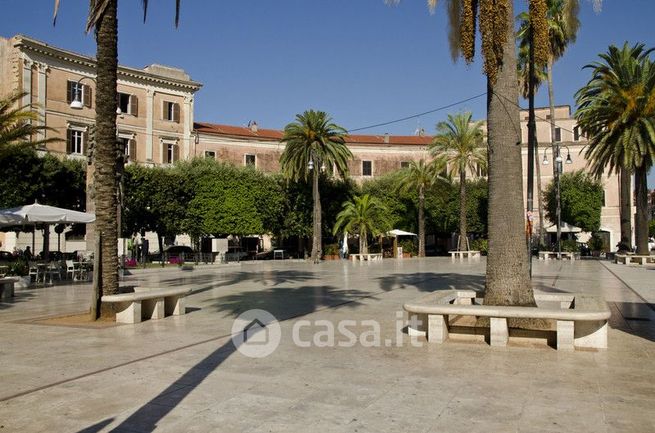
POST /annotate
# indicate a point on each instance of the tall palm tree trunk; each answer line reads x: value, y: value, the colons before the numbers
x: 463, y: 244
x: 421, y: 222
x: 507, y: 277
x: 316, y: 241
x: 641, y: 217
x: 105, y: 151
x: 625, y: 197
x: 363, y: 243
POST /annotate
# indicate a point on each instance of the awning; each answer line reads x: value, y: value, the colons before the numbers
x: 38, y: 213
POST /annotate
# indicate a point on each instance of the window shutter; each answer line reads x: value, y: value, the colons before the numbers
x: 132, y: 154
x: 87, y: 95
x: 176, y: 153
x: 176, y: 113
x: 164, y: 109
x: 134, y: 105
x: 69, y: 139
x: 69, y: 92
x: 85, y: 140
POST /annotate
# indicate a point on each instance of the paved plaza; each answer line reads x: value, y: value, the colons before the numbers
x: 183, y: 374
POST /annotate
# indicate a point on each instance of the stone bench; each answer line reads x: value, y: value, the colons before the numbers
x: 362, y: 257
x: 626, y: 259
x: 461, y: 255
x: 547, y: 255
x: 148, y: 303
x: 581, y: 319
x: 7, y: 287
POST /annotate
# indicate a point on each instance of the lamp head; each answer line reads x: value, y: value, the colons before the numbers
x: 310, y: 165
x: 76, y: 104
x: 568, y: 159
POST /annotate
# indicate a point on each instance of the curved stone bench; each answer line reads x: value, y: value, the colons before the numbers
x: 627, y: 259
x: 581, y: 319
x: 148, y: 303
x: 362, y: 257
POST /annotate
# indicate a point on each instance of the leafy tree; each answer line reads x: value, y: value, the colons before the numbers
x: 400, y: 207
x: 363, y: 215
x: 459, y: 146
x: 617, y: 115
x: 420, y: 176
x: 581, y: 198
x: 314, y: 144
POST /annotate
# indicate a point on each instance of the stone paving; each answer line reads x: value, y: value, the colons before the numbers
x: 183, y: 374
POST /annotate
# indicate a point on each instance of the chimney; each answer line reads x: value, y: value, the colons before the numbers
x: 253, y: 126
x: 386, y: 137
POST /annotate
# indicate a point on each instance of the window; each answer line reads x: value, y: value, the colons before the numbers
x: 481, y: 171
x: 576, y: 133
x: 404, y: 164
x: 367, y: 168
x: 171, y: 153
x: 210, y: 154
x: 171, y: 111
x: 128, y: 104
x: 250, y: 160
x: 76, y: 90
x: 558, y: 134
x: 128, y: 147
x: 75, y: 141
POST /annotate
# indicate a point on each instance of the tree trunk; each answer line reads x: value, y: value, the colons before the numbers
x: 316, y: 241
x: 421, y: 222
x: 160, y: 242
x: 551, y: 103
x: 363, y: 243
x: 463, y: 244
x: 105, y: 150
x: 625, y: 197
x: 507, y: 277
x: 641, y: 217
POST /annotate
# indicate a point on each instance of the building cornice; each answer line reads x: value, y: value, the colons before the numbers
x: 25, y: 43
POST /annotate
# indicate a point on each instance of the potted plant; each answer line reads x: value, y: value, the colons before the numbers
x: 331, y: 252
x: 409, y: 248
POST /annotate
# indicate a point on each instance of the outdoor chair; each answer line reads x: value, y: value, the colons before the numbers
x: 70, y: 270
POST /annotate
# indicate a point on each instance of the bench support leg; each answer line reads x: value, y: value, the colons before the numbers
x: 152, y: 308
x: 565, y: 334
x: 130, y: 312
x: 499, y: 332
x: 175, y: 305
x: 437, y: 328
x: 6, y: 291
x: 591, y: 334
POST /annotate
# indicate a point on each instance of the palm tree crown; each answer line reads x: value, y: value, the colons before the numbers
x: 314, y: 137
x: 363, y: 215
x: 617, y: 110
x: 459, y: 144
x: 17, y: 124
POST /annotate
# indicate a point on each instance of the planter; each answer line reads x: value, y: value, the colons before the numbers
x: 187, y: 267
x: 407, y: 255
x: 331, y: 257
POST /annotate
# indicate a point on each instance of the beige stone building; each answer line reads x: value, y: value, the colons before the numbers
x: 156, y: 123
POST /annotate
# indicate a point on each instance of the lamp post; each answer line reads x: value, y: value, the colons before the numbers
x: 558, y: 173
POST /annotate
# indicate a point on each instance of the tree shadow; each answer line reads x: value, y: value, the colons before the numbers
x: 432, y: 281
x: 633, y: 318
x: 97, y: 426
x: 19, y: 297
x: 283, y: 302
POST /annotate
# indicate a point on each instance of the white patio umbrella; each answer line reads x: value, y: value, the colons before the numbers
x: 398, y: 232
x: 38, y: 213
x: 564, y: 228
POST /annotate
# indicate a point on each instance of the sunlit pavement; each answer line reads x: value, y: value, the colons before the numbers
x: 183, y: 374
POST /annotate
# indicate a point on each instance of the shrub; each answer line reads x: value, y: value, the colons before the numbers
x: 408, y: 246
x: 331, y: 250
x: 570, y: 246
x: 18, y: 269
x: 595, y: 243
x: 480, y: 244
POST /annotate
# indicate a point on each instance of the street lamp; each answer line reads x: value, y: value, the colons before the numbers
x: 558, y: 199
x: 77, y: 104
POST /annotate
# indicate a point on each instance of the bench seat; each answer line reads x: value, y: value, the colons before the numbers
x: 627, y: 259
x: 148, y: 303
x: 472, y: 254
x: 369, y: 257
x: 581, y: 319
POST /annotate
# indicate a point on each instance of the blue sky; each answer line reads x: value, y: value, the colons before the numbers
x: 360, y: 60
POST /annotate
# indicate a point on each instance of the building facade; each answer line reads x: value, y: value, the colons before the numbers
x: 156, y: 124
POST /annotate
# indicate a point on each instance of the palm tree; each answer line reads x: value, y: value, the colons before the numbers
x: 102, y: 18
x: 459, y: 145
x: 553, y: 36
x: 363, y: 215
x: 18, y: 124
x: 419, y: 176
x: 314, y: 144
x: 617, y: 115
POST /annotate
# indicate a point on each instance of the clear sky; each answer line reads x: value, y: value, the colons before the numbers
x: 362, y: 61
